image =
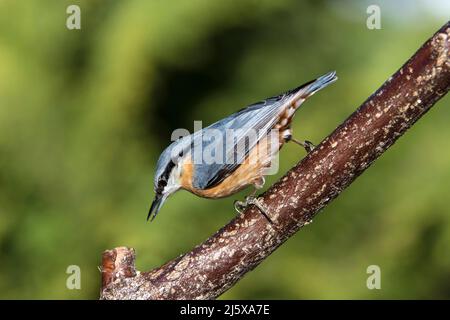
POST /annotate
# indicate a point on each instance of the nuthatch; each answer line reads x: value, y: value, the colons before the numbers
x: 179, y: 168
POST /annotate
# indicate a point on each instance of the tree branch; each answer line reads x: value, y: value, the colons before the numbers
x: 217, y: 264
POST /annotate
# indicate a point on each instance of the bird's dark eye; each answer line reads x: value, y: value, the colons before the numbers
x: 162, y: 181
x: 161, y: 184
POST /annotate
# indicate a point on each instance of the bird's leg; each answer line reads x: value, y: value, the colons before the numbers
x: 252, y: 199
x: 308, y: 145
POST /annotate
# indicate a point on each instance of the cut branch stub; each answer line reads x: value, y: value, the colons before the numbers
x: 217, y: 264
x: 116, y: 264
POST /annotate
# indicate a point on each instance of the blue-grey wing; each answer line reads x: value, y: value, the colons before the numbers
x: 257, y: 118
x: 247, y: 127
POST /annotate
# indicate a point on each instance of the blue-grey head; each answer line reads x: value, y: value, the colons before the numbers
x: 168, y: 173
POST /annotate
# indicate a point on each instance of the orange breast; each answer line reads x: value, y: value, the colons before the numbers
x: 249, y: 172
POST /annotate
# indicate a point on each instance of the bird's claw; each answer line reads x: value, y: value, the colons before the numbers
x: 240, y: 206
x: 309, y: 146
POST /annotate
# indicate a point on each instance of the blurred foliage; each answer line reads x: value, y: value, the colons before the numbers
x: 84, y: 115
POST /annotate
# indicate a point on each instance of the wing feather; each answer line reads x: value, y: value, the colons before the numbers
x: 248, y: 126
x: 260, y: 117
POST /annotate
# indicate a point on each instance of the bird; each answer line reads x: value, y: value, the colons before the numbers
x: 244, y: 161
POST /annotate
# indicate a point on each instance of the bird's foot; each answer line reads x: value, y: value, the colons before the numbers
x: 240, y: 206
x: 308, y: 145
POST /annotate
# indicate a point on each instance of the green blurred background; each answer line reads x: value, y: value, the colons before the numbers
x: 84, y: 115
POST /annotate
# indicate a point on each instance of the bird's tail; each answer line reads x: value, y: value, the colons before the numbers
x: 308, y: 89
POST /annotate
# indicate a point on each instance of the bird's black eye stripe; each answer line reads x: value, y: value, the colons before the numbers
x: 162, y: 181
x: 161, y: 185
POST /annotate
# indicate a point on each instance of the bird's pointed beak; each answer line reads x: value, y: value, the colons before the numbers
x: 156, y: 205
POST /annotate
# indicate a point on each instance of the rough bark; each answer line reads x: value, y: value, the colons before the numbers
x: 217, y: 264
